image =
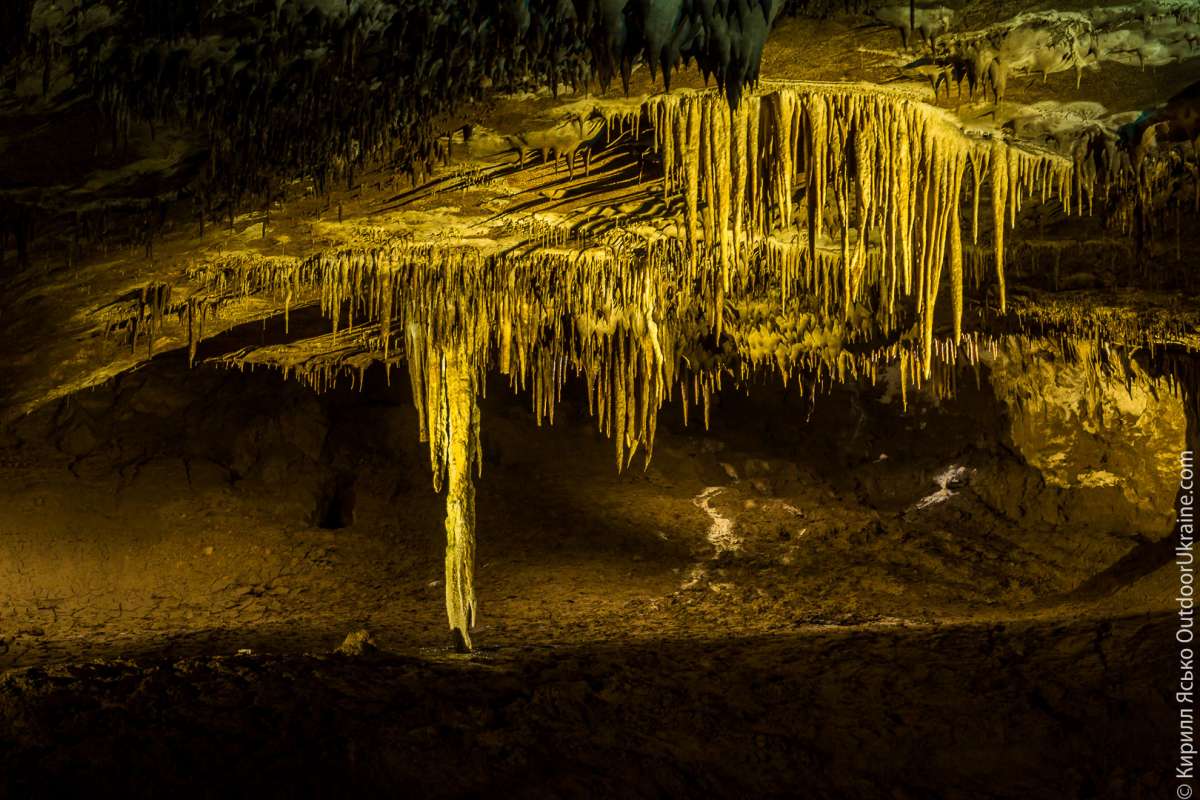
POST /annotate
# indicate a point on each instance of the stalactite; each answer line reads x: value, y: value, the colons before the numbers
x: 956, y: 269
x: 888, y: 163
x: 458, y: 432
x: 1000, y: 199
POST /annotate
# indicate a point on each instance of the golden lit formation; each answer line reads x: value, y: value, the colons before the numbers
x: 742, y: 279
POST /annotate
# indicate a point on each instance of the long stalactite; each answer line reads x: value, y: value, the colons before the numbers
x: 458, y: 421
x: 445, y: 379
x: 873, y: 163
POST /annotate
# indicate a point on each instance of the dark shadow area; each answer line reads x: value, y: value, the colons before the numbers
x: 1144, y: 559
x: 335, y: 505
x: 934, y: 712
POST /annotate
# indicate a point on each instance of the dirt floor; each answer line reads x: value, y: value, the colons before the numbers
x: 829, y: 599
x: 1032, y: 709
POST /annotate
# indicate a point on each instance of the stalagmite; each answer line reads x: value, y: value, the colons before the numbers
x: 460, y: 418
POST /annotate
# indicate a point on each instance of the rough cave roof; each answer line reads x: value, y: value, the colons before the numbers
x: 295, y: 184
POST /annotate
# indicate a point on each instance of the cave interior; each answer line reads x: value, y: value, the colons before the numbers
x: 597, y: 398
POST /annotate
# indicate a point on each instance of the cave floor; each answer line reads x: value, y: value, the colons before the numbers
x: 1024, y: 710
x: 751, y: 615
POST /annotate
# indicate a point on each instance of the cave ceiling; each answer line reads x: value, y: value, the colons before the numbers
x: 660, y: 197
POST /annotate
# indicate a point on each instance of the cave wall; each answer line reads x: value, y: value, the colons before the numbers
x: 1108, y: 448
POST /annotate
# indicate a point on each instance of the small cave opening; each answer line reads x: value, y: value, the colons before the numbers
x: 335, y: 504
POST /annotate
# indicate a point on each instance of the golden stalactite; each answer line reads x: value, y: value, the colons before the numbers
x: 833, y: 288
x: 886, y: 163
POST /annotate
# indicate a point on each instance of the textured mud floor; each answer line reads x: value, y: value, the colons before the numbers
x: 1048, y: 709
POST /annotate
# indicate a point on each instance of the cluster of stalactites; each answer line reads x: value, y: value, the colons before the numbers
x: 813, y: 276
x: 873, y: 166
x: 1125, y: 328
x: 538, y: 317
x: 625, y: 319
x: 724, y: 39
